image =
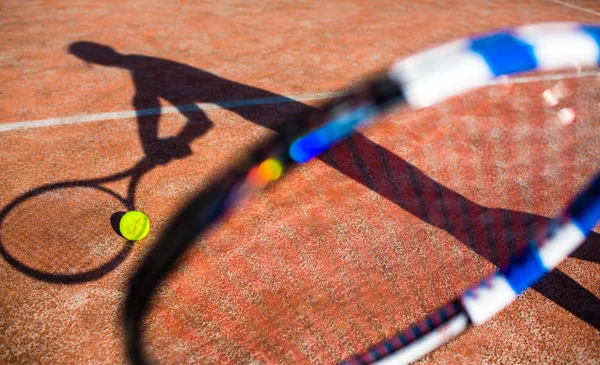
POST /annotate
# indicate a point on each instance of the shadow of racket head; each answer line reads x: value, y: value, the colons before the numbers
x: 63, y: 232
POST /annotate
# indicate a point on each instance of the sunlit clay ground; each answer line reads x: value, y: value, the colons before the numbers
x: 98, y: 118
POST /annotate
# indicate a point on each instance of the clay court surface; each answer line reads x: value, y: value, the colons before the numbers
x: 345, y: 250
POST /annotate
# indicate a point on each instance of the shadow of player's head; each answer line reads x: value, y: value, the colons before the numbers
x: 96, y: 53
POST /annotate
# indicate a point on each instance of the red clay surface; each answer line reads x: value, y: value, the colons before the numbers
x: 341, y: 253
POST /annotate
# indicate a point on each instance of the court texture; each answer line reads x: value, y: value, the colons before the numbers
x: 111, y: 106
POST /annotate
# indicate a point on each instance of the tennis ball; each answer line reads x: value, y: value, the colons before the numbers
x: 134, y: 225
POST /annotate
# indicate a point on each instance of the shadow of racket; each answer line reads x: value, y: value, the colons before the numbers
x: 70, y: 224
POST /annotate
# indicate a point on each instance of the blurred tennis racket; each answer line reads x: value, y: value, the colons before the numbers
x: 421, y: 81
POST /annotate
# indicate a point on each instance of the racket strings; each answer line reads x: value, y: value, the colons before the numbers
x: 236, y: 285
x: 422, y: 206
x: 506, y: 229
x: 359, y: 327
x: 281, y: 325
x: 326, y: 258
x: 368, y: 233
x: 304, y: 310
x: 368, y: 160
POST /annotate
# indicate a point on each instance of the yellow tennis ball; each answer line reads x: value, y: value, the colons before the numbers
x: 134, y: 225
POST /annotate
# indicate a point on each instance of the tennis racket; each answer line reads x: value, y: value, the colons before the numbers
x: 420, y: 81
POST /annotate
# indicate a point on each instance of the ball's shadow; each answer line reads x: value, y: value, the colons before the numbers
x: 115, y: 220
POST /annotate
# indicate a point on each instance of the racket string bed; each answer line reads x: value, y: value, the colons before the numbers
x: 419, y: 81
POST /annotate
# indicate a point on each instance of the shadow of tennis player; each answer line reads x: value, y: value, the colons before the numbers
x: 182, y: 86
x: 492, y: 233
